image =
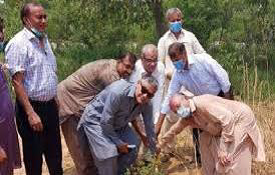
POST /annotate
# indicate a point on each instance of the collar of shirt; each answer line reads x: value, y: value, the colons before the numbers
x: 182, y: 37
x: 132, y: 90
x: 171, y: 34
x: 29, y: 34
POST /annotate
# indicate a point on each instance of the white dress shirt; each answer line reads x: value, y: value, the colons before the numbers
x: 204, y: 76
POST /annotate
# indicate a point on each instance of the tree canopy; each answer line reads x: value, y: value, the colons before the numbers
x: 235, y: 32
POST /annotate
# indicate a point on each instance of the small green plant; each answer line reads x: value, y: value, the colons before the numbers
x: 145, y: 168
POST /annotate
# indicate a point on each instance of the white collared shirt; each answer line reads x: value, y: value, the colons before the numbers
x: 23, y: 53
x: 204, y: 76
x: 159, y: 75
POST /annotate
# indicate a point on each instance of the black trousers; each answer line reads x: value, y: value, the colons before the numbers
x: 35, y: 144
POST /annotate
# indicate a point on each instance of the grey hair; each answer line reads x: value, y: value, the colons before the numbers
x: 148, y: 48
x: 171, y: 11
x: 149, y: 79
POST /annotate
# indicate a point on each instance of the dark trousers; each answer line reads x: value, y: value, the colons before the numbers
x: 197, y: 145
x: 35, y: 144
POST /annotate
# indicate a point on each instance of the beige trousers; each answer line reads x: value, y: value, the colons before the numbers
x: 240, y: 161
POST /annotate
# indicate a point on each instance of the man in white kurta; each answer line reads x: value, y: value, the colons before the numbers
x: 149, y: 64
x: 230, y: 136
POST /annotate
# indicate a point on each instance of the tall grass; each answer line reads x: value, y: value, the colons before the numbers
x: 263, y: 106
x: 257, y: 94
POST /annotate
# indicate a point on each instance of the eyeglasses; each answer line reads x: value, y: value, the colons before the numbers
x: 144, y: 90
x: 150, y: 61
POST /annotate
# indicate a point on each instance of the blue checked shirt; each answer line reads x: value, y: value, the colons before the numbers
x: 23, y: 54
x: 205, y: 76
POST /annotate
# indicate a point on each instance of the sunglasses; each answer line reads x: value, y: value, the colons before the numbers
x: 144, y: 90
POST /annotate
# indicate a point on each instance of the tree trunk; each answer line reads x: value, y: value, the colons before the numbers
x: 156, y: 6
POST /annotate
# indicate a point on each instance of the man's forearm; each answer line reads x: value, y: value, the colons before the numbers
x: 21, y: 95
x: 159, y: 123
x: 175, y: 130
x: 137, y: 128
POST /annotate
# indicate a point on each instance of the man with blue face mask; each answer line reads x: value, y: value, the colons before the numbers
x: 176, y: 33
x: 198, y: 73
x: 32, y: 65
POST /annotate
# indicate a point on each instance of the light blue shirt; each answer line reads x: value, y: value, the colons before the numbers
x: 204, y: 76
x: 23, y: 54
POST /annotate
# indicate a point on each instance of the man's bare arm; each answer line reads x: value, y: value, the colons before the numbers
x: 21, y: 95
x: 140, y: 133
x: 159, y: 123
x: 174, y: 130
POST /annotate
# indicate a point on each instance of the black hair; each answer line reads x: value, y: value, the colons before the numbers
x: 132, y: 57
x: 25, y: 11
x: 176, y: 48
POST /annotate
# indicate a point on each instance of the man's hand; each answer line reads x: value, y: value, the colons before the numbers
x: 144, y: 140
x: 21, y: 95
x: 3, y: 156
x: 158, y: 149
x: 123, y: 148
x: 35, y: 122
x: 223, y: 158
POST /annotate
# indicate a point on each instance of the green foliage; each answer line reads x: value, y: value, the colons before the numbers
x: 236, y: 33
x: 143, y: 168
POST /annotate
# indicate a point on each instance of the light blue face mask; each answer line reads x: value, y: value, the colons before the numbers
x: 175, y: 26
x: 37, y: 34
x: 2, y: 47
x: 179, y: 65
x: 184, y: 112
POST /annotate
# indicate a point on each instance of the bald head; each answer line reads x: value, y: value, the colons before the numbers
x: 176, y: 101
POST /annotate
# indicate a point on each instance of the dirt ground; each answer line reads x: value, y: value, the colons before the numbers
x: 178, y: 165
x: 68, y: 165
x: 183, y: 164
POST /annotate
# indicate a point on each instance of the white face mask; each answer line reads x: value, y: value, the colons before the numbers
x: 184, y: 112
